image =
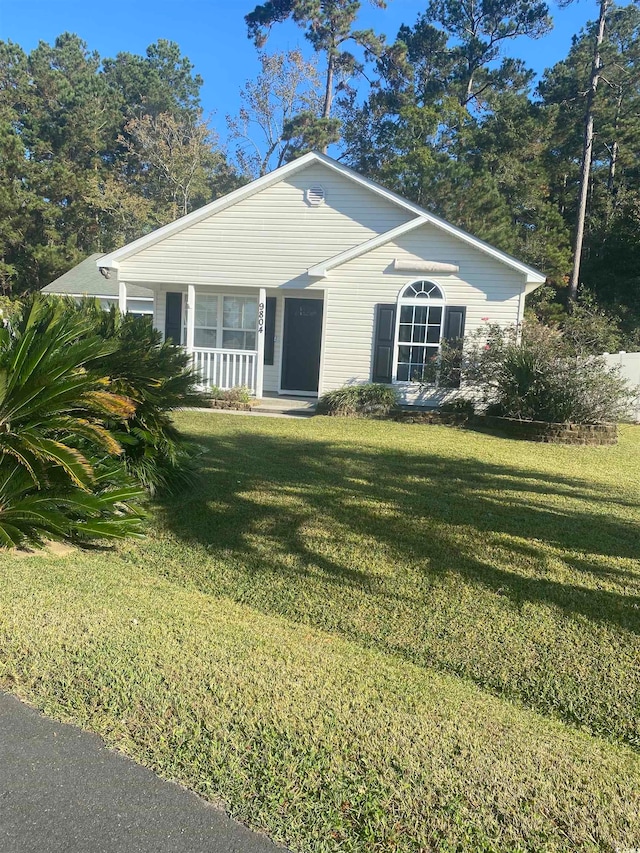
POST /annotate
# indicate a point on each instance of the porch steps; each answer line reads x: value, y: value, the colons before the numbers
x: 279, y: 405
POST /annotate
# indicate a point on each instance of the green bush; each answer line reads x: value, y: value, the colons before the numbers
x: 369, y: 400
x: 156, y: 376
x: 85, y: 420
x: 458, y: 406
x: 534, y: 374
x: 229, y: 395
x: 60, y: 470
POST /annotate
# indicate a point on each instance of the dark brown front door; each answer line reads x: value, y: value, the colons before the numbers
x: 301, y: 344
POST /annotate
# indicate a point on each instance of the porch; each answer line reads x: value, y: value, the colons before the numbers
x: 237, y: 321
x: 240, y: 337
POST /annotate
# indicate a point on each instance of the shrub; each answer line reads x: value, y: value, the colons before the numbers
x: 534, y: 374
x: 589, y: 329
x: 156, y: 376
x: 370, y: 399
x: 458, y: 406
x: 60, y: 477
x: 230, y: 395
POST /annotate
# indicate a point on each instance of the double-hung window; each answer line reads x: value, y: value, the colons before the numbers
x: 239, y: 321
x: 206, y: 321
x: 224, y: 322
x: 420, y: 314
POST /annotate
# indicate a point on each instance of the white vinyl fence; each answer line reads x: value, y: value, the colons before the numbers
x: 629, y: 363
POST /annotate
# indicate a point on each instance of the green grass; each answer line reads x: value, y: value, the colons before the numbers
x: 364, y: 636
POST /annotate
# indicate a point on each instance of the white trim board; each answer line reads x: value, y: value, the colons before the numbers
x: 111, y: 261
x: 99, y: 296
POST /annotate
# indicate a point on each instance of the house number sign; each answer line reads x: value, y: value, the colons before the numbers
x: 260, y: 318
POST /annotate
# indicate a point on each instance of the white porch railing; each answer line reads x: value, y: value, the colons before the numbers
x: 226, y: 368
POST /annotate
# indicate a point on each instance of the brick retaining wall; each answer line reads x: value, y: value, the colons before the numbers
x: 592, y: 434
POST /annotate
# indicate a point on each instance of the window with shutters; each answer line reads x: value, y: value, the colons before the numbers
x: 226, y: 322
x: 420, y: 316
x: 206, y: 321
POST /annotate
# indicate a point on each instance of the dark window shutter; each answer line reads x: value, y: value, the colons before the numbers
x: 454, y: 323
x: 454, y: 319
x: 269, y: 329
x: 173, y: 318
x: 383, y: 343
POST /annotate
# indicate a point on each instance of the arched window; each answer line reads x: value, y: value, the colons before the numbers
x: 420, y: 312
x: 422, y: 290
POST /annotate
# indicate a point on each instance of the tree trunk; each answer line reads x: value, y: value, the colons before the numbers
x: 613, y: 160
x: 328, y: 92
x: 469, y: 89
x: 587, y: 152
x: 613, y: 152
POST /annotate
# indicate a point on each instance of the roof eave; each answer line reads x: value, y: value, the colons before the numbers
x: 321, y: 270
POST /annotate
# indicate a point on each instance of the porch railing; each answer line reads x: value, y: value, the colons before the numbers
x: 226, y: 368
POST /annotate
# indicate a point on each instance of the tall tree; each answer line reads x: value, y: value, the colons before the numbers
x: 286, y: 86
x: 75, y: 170
x: 161, y: 81
x: 456, y: 132
x: 179, y: 162
x: 478, y: 31
x: 587, y: 150
x: 330, y: 27
x: 607, y: 265
x: 19, y: 204
x: 72, y: 117
x: 436, y: 82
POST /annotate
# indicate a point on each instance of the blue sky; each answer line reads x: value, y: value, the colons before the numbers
x: 212, y: 34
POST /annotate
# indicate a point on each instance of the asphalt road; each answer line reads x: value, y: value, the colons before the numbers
x: 63, y: 791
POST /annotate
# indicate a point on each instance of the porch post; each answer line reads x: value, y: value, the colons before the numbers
x: 262, y: 308
x: 122, y: 297
x: 191, y: 317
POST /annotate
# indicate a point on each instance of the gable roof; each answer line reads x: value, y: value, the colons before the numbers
x: 322, y: 269
x: 423, y: 217
x: 85, y: 280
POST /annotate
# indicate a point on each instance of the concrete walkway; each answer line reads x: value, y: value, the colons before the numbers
x: 271, y: 406
x: 63, y: 791
x: 248, y: 413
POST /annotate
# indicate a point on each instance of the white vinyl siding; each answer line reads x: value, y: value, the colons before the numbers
x: 269, y: 239
x: 484, y: 286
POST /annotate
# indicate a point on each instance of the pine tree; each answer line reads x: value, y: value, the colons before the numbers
x: 329, y: 26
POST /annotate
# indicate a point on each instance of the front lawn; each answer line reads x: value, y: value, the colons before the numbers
x: 364, y: 636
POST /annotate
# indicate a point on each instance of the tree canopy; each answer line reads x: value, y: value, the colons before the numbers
x: 96, y: 151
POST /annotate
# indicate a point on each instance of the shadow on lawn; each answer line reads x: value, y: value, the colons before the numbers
x: 434, y: 503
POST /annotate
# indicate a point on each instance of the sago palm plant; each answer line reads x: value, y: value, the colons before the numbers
x: 156, y: 375
x: 57, y: 473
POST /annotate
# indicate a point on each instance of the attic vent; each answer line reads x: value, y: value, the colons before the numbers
x: 315, y: 195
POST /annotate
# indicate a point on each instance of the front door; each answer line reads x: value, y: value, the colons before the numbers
x: 301, y: 344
